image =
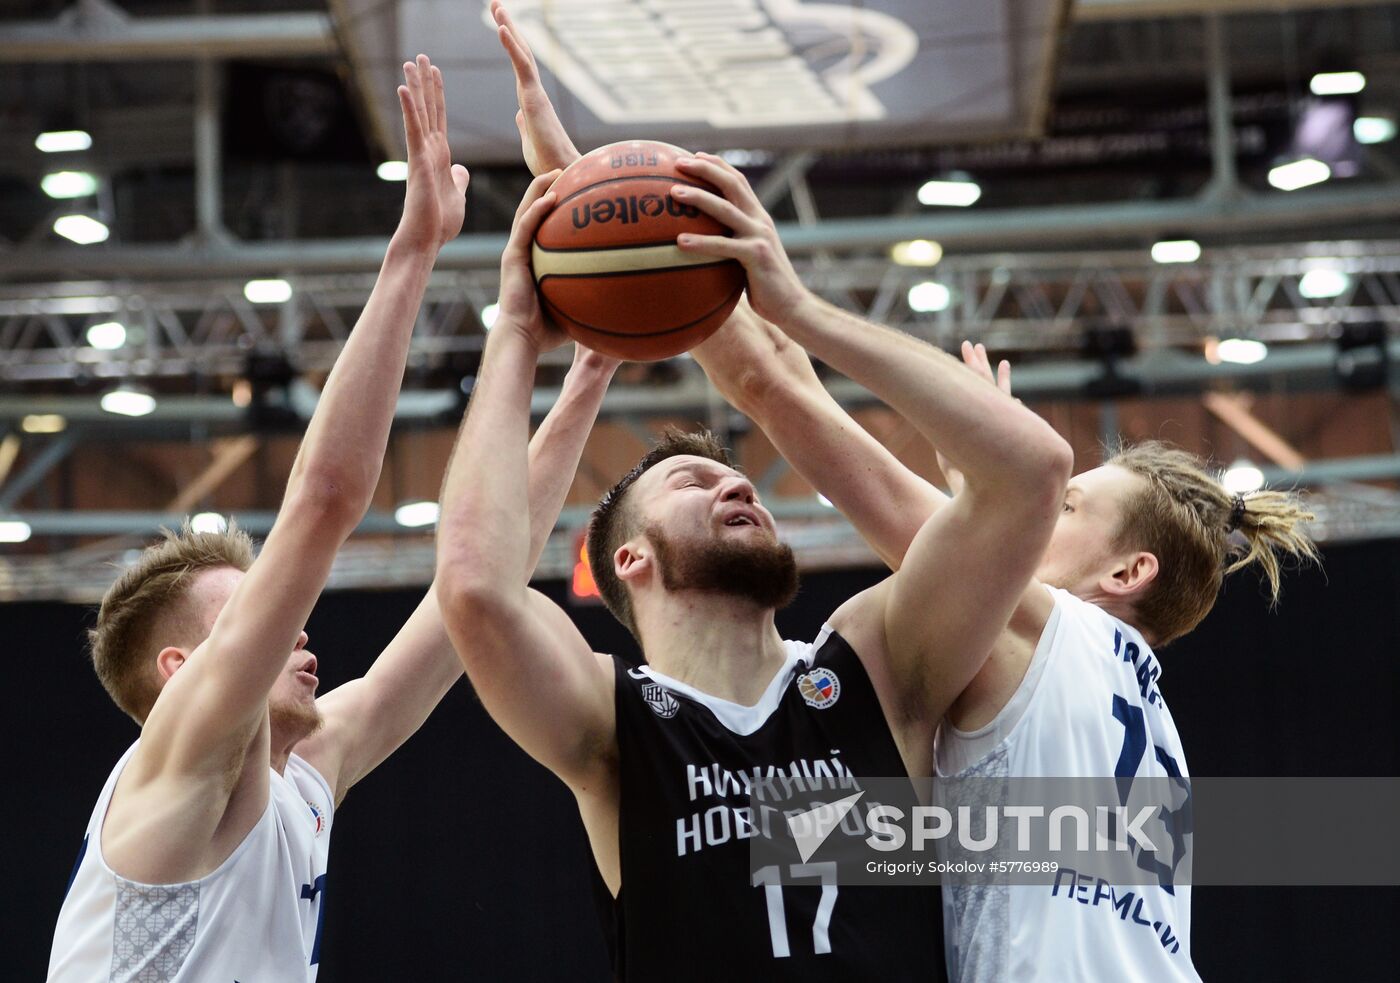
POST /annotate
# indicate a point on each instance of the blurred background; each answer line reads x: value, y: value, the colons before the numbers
x: 1180, y: 219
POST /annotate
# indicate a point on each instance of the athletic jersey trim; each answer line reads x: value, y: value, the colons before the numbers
x: 973, y: 746
x: 239, y: 850
x: 736, y: 717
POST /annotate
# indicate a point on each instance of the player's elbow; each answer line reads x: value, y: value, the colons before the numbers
x: 472, y: 593
x: 327, y: 502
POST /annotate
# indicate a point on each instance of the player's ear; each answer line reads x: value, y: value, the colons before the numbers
x: 632, y: 559
x: 168, y: 660
x: 1130, y: 576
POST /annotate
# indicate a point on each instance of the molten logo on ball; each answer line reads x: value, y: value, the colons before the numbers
x: 629, y: 210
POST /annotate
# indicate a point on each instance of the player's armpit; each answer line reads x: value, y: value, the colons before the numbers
x: 538, y: 678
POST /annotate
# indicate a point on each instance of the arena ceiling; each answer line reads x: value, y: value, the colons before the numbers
x: 239, y: 139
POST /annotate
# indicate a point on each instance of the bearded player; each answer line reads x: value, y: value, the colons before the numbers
x: 687, y: 558
x: 205, y: 856
x: 1070, y: 688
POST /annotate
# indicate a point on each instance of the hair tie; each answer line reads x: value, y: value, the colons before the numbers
x: 1236, y: 514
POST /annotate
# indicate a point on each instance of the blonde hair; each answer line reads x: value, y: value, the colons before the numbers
x: 141, y: 601
x: 1200, y: 532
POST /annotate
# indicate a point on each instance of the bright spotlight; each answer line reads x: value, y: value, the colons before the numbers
x: 414, y: 515
x: 82, y: 229
x: 1299, y: 174
x: 14, y: 531
x: 107, y: 336
x: 1323, y: 284
x: 393, y: 170
x: 62, y: 141
x: 916, y: 252
x: 1242, y: 478
x: 954, y: 194
x: 1337, y: 83
x: 211, y: 522
x: 128, y: 401
x: 1373, y: 129
x: 1241, y: 351
x: 928, y: 296
x: 68, y: 184
x: 1176, y: 251
x: 267, y: 291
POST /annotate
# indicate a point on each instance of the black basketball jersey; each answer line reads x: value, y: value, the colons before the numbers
x: 689, y: 908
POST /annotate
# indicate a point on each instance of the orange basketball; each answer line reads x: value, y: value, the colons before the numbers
x: 606, y: 261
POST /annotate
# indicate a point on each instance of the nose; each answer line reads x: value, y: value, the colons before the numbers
x: 738, y: 489
x: 302, y: 639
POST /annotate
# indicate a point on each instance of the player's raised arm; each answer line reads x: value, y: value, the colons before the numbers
x: 969, y: 564
x: 217, y: 695
x: 768, y: 377
x: 368, y: 718
x: 534, y: 672
x: 543, y: 140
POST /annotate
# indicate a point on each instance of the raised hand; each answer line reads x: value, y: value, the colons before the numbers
x: 975, y: 358
x: 519, y: 302
x: 542, y: 137
x: 774, y: 288
x: 434, y: 204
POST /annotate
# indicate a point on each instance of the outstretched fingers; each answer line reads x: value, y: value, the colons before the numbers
x: 439, y: 101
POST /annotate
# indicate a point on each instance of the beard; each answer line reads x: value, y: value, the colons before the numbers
x: 763, y: 572
x: 295, y: 718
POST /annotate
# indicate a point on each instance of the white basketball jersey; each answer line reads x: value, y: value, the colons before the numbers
x: 1088, y: 707
x: 256, y: 918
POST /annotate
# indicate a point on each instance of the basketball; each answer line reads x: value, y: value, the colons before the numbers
x: 606, y: 262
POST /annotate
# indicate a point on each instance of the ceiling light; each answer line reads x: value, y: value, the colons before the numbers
x: 1242, y: 478
x: 955, y: 194
x: 393, y: 170
x: 489, y: 313
x: 267, y: 291
x: 916, y: 252
x: 1373, y: 129
x: 61, y: 141
x: 209, y: 522
x: 1241, y: 351
x: 1176, y: 251
x: 1337, y: 83
x: 108, y: 336
x: 82, y: 229
x: 68, y: 184
x: 43, y: 423
x: 1299, y: 174
x: 929, y: 296
x: 14, y: 531
x: 1323, y: 284
x: 128, y: 401
x: 414, y: 515
x: 79, y: 305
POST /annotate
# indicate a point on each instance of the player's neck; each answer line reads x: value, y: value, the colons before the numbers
x: 715, y: 642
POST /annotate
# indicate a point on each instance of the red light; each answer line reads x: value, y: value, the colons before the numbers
x: 583, y: 585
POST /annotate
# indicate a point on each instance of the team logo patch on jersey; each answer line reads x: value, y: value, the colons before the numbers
x: 820, y: 688
x: 317, y: 815
x: 660, y: 701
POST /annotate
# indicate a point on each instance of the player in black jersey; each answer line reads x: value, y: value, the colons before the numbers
x: 689, y: 559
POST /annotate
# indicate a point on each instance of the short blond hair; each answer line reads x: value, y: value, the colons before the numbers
x: 124, y: 641
x: 1187, y: 519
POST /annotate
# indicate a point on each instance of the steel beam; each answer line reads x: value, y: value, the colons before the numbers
x: 991, y: 230
x: 72, y: 38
